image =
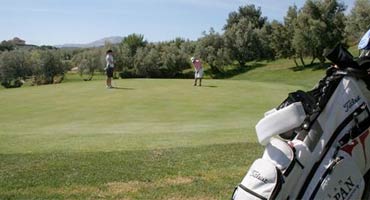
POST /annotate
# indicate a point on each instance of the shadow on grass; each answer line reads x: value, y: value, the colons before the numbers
x: 210, y: 86
x: 312, y: 67
x: 229, y: 73
x: 122, y: 88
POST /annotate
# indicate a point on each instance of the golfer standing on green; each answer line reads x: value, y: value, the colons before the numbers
x: 198, y: 71
x: 109, y: 68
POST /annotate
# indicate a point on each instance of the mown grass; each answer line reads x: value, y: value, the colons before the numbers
x: 141, y: 114
x: 148, y: 139
x: 206, y: 171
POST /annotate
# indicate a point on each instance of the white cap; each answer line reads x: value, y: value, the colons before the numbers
x: 364, y: 42
x: 192, y: 59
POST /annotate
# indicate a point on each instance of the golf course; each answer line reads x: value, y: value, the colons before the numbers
x: 159, y: 100
x: 145, y: 139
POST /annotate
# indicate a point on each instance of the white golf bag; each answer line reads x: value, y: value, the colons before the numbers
x: 317, y: 143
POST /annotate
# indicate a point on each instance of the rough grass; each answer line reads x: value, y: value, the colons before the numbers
x: 148, y: 139
x: 207, y: 171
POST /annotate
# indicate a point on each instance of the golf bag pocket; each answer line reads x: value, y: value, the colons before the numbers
x: 280, y: 154
x: 286, y: 156
x: 341, y: 180
x: 263, y: 181
x: 289, y: 159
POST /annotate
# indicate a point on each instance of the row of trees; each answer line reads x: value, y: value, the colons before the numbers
x: 42, y: 66
x: 138, y: 58
x: 135, y: 57
x: 246, y: 36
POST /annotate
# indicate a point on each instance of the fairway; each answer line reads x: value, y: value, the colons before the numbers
x: 147, y: 139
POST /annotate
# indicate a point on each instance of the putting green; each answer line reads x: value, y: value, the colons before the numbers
x: 140, y: 114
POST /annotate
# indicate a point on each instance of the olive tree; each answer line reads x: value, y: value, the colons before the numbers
x: 358, y: 20
x: 243, y: 34
x: 15, y: 67
x: 88, y: 62
x: 147, y: 62
x: 49, y: 67
x: 320, y: 25
x: 211, y: 49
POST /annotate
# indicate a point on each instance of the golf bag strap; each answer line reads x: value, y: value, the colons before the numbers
x: 251, y: 192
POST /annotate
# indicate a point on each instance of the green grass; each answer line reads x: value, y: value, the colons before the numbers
x: 282, y: 71
x: 149, y: 139
x: 197, y: 172
x: 142, y: 114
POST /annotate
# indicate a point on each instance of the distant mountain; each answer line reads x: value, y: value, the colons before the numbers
x: 97, y: 43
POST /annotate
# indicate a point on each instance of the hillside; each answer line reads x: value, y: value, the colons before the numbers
x: 97, y: 43
x: 282, y: 71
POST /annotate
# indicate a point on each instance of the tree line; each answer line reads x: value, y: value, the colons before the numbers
x: 247, y: 36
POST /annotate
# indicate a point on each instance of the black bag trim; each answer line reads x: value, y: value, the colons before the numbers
x: 279, y: 183
x: 364, y: 62
x: 299, y: 163
x: 232, y: 196
x: 357, y: 130
x: 292, y: 164
x: 251, y: 192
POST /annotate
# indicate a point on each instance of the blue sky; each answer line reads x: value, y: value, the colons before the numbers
x: 53, y: 22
